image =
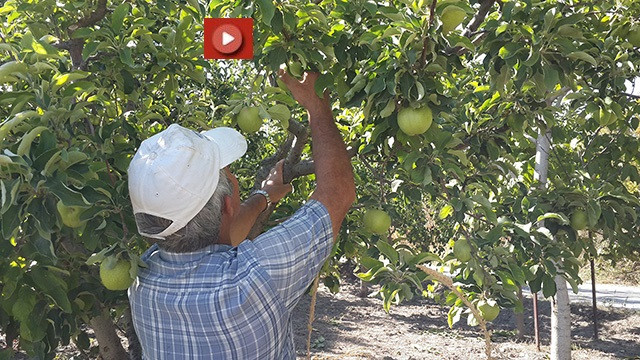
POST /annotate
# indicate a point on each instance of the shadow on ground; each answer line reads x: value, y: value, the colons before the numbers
x: 348, y: 326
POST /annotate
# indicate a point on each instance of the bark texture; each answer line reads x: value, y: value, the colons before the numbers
x: 560, y: 311
x: 560, y: 322
x: 110, y: 346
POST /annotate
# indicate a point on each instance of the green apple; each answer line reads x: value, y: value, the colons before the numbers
x: 612, y: 118
x: 114, y: 273
x: 462, y: 250
x: 119, y: 139
x: 295, y: 69
x: 606, y: 117
x: 451, y: 17
x: 579, y: 220
x: 415, y: 121
x: 634, y: 36
x: 376, y: 221
x: 489, y: 309
x: 249, y: 120
x: 70, y: 214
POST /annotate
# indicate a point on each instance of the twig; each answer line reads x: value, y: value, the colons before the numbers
x: 586, y: 147
x: 614, y: 139
x: 312, y: 311
x: 560, y: 162
x: 91, y: 19
x: 301, y: 134
x: 75, y: 46
x: 125, y: 230
x: 443, y: 279
x: 478, y: 19
x: 425, y: 44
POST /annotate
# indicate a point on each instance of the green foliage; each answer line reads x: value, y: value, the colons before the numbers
x: 76, y: 102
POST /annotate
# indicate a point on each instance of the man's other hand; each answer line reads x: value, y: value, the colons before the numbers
x: 304, y: 92
x: 274, y: 184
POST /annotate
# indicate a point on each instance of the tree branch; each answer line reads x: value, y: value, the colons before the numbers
x: 613, y: 139
x: 302, y: 168
x: 75, y: 46
x: 302, y: 134
x: 425, y: 44
x: 631, y: 95
x: 478, y: 19
x: 268, y: 163
x: 91, y: 19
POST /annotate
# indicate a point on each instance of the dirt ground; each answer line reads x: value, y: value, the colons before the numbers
x: 350, y: 327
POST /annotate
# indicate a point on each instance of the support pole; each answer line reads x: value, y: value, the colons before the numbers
x: 536, y: 326
x: 593, y: 296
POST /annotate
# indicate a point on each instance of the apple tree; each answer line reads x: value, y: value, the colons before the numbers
x: 499, y: 82
x: 81, y: 84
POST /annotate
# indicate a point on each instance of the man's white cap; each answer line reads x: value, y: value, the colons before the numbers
x: 175, y: 172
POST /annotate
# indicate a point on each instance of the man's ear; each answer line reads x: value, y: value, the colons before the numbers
x: 228, y: 206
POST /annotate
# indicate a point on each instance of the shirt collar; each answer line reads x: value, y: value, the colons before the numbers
x: 191, y: 256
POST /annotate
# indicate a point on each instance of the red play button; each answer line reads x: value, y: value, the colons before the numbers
x: 227, y: 39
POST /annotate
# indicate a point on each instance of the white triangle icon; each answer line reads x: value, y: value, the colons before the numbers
x: 227, y: 38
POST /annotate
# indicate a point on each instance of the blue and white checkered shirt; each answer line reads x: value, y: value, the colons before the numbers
x: 225, y: 302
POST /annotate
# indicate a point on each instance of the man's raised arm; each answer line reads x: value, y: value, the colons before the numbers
x: 334, y: 175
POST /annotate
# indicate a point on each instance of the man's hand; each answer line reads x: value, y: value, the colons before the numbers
x: 304, y: 92
x: 274, y: 184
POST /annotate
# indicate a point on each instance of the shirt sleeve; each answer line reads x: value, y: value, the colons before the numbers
x: 293, y: 252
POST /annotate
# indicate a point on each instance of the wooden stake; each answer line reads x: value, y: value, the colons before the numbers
x: 536, y: 326
x: 312, y: 310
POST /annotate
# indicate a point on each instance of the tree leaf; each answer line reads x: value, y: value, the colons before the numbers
x: 445, y: 211
x: 593, y: 212
x: 551, y: 215
x: 117, y: 18
x: 279, y: 112
x: 53, y: 286
x: 581, y: 55
x: 89, y: 49
x: 388, y: 251
x: 548, y: 286
x: 323, y: 82
x: 389, y: 108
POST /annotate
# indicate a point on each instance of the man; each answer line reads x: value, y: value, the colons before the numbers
x: 208, y: 293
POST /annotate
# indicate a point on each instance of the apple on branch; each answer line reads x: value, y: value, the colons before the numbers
x: 70, y: 215
x: 249, y: 120
x: 415, y: 121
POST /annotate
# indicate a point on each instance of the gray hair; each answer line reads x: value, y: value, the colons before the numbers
x: 203, y: 230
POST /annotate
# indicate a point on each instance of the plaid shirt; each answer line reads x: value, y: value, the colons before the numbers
x: 224, y: 302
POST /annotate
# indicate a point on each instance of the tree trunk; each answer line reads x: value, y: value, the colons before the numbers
x: 135, y: 350
x: 108, y: 340
x: 560, y: 310
x: 560, y: 322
